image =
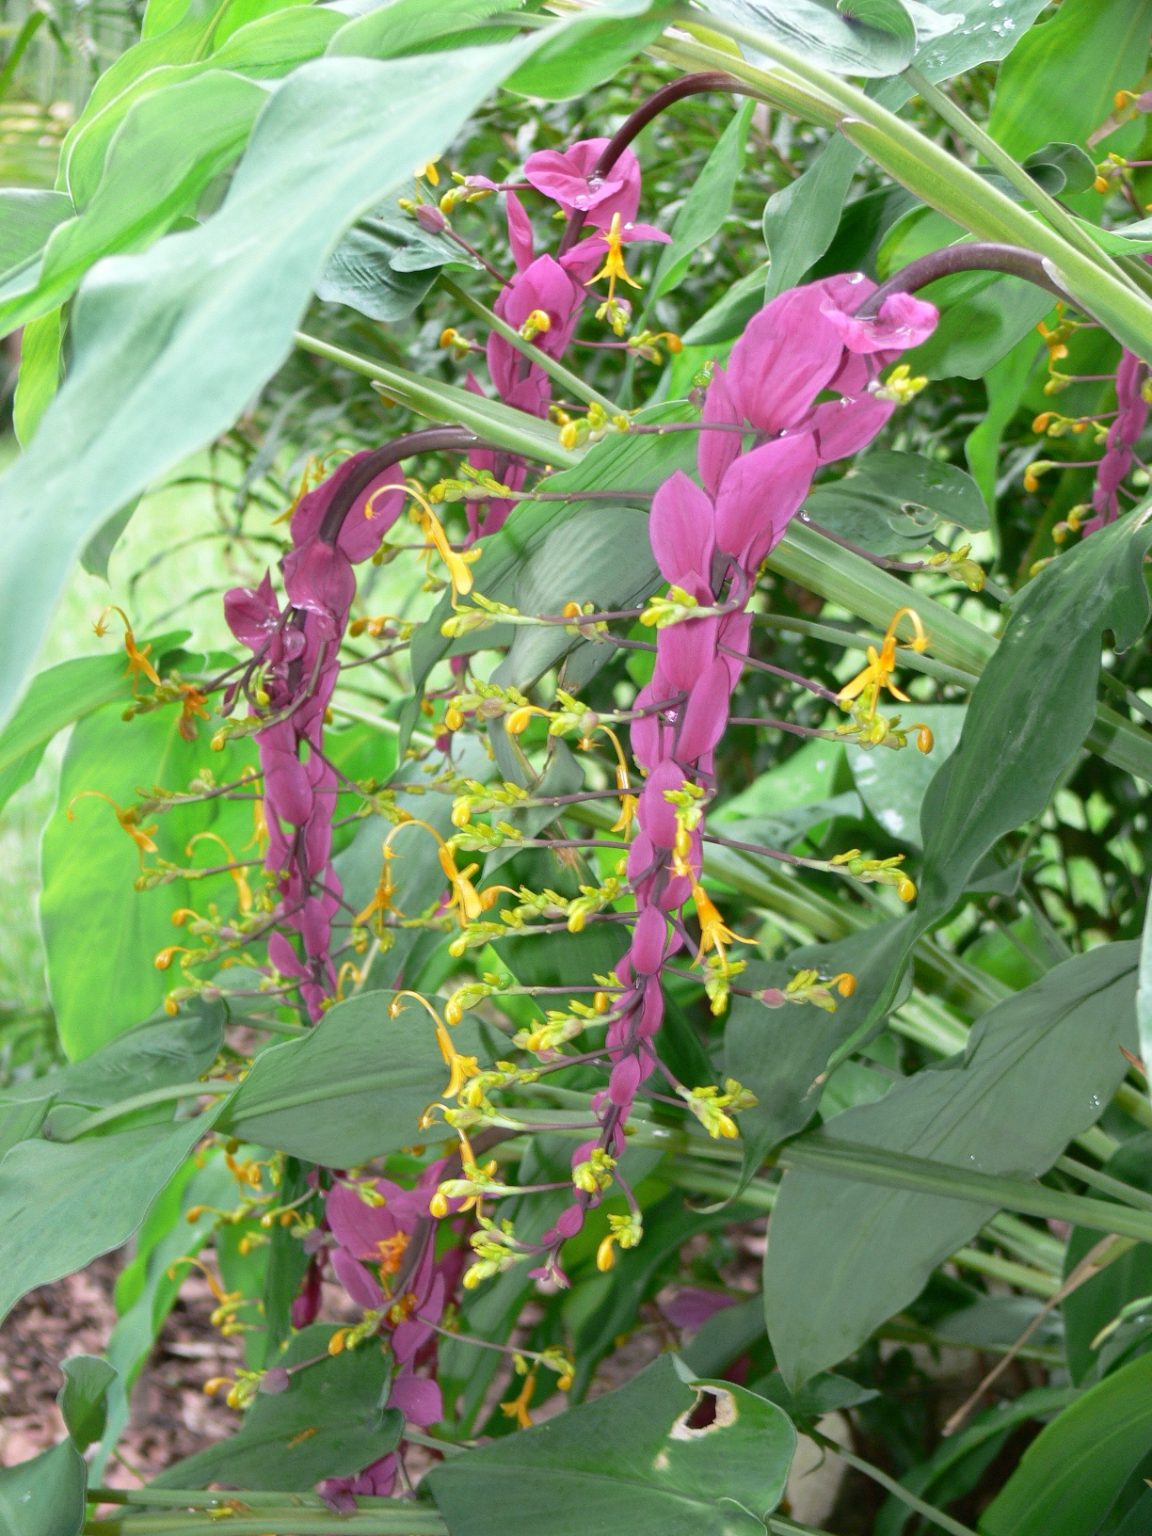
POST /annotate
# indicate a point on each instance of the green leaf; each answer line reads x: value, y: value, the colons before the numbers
x: 103, y: 978
x: 159, y: 1053
x: 83, y: 1397
x: 267, y: 45
x: 573, y: 62
x: 780, y: 1054
x: 987, y: 31
x: 1100, y: 1300
x: 890, y: 502
x: 801, y: 219
x: 630, y: 1462
x: 166, y: 151
x: 27, y: 218
x: 354, y: 1088
x: 64, y: 1204
x: 893, y: 784
x: 873, y: 38
x: 1070, y: 1475
x: 1034, y: 704
x: 44, y: 1496
x: 330, y: 1422
x: 706, y: 206
x: 57, y: 699
x: 845, y: 1256
x: 171, y: 345
x: 405, y: 25
x: 384, y: 267
x: 1058, y: 84
x: 41, y: 367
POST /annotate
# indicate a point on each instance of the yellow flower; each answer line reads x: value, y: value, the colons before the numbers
x: 138, y: 663
x: 877, y: 676
x: 613, y: 267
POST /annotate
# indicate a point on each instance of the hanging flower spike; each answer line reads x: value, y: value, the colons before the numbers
x: 138, y: 663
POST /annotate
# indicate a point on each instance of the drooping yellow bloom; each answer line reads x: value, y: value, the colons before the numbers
x: 138, y: 663
x: 128, y: 819
x: 877, y: 676
x: 457, y: 564
x: 613, y: 268
x: 517, y: 1407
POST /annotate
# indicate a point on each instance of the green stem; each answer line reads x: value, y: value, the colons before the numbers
x: 173, y: 1093
x: 496, y: 423
x: 563, y: 376
x: 894, y: 1170
x: 1136, y: 1199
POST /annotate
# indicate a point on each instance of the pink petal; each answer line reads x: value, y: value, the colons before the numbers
x: 761, y: 492
x: 681, y: 532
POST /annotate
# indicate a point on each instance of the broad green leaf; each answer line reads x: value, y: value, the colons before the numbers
x: 893, y: 784
x: 1070, y: 1475
x: 987, y: 30
x: 584, y: 56
x: 171, y: 345
x: 630, y: 1462
x: 62, y: 1204
x: 1098, y: 1301
x: 27, y: 218
x: 83, y: 1398
x: 57, y: 699
x: 405, y: 25
x: 843, y: 1256
x: 41, y: 366
x: 330, y: 1422
x: 44, y: 1496
x: 1059, y: 82
x: 894, y: 501
x: 166, y: 151
x: 1034, y: 704
x: 351, y: 1090
x: 874, y: 38
x: 173, y: 53
x: 161, y: 1053
x: 102, y: 977
x: 780, y: 1054
x: 384, y: 267
x: 706, y: 205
